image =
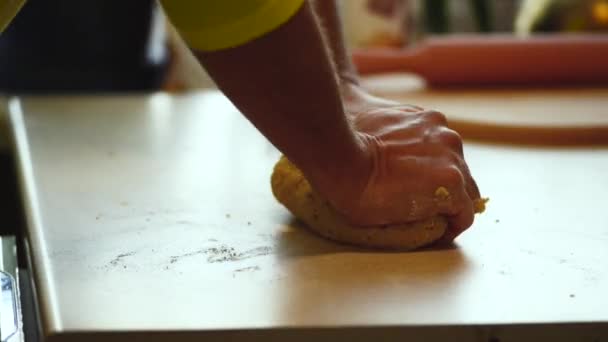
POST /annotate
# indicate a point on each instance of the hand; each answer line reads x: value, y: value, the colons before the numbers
x: 411, y: 154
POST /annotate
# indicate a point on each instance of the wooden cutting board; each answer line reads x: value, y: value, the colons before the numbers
x: 558, y: 116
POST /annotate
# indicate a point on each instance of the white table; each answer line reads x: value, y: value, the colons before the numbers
x: 152, y: 217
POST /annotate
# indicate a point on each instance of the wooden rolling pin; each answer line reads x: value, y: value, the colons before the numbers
x: 496, y: 60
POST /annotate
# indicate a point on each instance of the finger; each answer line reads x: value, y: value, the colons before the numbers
x: 406, y: 211
x: 472, y: 189
x: 460, y: 222
x: 419, y: 209
x: 450, y: 192
x: 470, y: 184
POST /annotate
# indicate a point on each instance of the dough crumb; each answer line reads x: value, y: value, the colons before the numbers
x: 442, y: 193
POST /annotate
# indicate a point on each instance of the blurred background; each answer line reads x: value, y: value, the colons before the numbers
x: 403, y: 22
x: 84, y: 46
x: 73, y: 46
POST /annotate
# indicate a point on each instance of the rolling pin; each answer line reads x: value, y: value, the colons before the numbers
x: 496, y: 60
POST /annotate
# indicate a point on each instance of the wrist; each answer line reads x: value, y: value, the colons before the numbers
x: 350, y: 84
x: 344, y: 176
x: 349, y: 77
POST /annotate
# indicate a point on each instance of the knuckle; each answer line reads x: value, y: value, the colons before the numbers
x: 451, y: 177
x: 435, y: 117
x: 451, y: 138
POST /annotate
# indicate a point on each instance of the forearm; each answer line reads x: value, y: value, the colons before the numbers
x: 329, y: 15
x: 284, y: 82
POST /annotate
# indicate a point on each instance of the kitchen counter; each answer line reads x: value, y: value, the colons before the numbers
x: 152, y: 216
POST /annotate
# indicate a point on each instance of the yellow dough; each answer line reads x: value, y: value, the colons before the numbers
x: 293, y: 191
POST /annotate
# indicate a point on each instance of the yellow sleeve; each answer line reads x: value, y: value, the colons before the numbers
x: 8, y: 10
x: 220, y: 24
